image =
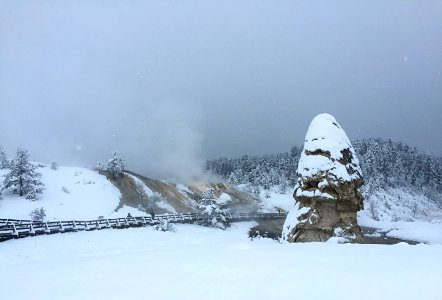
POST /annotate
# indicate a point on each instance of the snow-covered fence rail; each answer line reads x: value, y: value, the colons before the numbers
x: 13, y: 228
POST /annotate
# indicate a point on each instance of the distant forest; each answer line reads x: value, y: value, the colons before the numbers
x: 384, y: 164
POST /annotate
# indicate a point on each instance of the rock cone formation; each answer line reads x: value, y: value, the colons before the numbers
x: 326, y: 193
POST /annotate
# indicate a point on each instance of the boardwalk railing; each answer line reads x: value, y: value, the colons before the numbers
x: 12, y: 228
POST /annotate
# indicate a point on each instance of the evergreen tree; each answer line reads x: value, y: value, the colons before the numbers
x: 149, y: 204
x: 115, y: 166
x: 54, y: 165
x: 38, y: 214
x: 22, y: 177
x: 4, y: 163
x: 214, y: 210
x: 164, y: 225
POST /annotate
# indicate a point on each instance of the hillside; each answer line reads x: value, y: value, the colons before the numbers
x: 81, y: 193
x: 177, y: 197
x: 70, y: 193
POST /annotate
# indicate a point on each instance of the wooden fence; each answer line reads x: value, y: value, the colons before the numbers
x: 12, y: 228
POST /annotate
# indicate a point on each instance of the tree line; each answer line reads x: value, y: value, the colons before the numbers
x: 384, y: 164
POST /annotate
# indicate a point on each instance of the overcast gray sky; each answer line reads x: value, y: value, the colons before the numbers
x: 170, y: 83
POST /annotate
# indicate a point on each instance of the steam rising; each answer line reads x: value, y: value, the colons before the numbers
x: 161, y: 140
x: 165, y: 142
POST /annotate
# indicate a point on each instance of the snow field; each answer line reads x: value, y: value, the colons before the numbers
x: 272, y: 199
x: 206, y: 263
x: 396, y: 204
x: 71, y: 193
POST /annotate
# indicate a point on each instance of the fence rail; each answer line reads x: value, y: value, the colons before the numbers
x: 13, y: 228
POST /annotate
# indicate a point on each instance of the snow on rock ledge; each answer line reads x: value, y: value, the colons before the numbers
x: 329, y: 178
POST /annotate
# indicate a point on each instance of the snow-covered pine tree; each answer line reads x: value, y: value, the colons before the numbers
x: 214, y: 210
x: 164, y: 225
x: 207, y: 207
x: 54, y: 165
x: 115, y: 166
x: 223, y: 209
x: 4, y: 163
x: 149, y: 203
x: 22, y: 177
x: 100, y: 168
x: 38, y: 214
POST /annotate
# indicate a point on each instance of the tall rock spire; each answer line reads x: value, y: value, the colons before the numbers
x: 327, y: 190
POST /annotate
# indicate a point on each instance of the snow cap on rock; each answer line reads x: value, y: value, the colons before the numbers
x: 327, y: 149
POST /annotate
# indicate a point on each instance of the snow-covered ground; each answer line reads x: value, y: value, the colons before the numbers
x: 205, y: 263
x: 70, y: 193
x: 273, y: 199
x: 419, y: 231
x: 401, y: 204
x: 403, y: 213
